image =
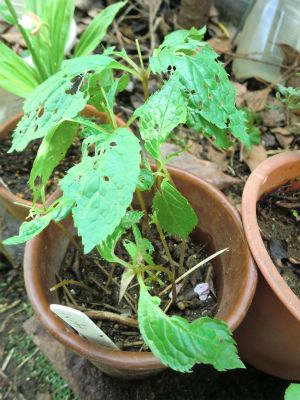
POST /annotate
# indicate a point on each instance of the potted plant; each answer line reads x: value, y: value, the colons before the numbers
x: 128, y: 212
x: 269, y: 337
x: 46, y: 28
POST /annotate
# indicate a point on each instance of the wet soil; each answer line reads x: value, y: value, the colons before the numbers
x: 15, y: 167
x: 102, y: 293
x: 278, y: 216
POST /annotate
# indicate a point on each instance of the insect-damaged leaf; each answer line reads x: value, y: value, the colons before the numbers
x: 102, y: 185
x: 60, y: 97
x: 173, y: 211
x: 161, y: 114
x: 180, y: 344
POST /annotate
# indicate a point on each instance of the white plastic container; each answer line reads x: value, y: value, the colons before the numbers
x: 269, y: 24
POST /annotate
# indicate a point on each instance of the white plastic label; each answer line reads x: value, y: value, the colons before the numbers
x: 82, y: 324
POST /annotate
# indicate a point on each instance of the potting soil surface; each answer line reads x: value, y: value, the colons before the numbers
x: 278, y: 216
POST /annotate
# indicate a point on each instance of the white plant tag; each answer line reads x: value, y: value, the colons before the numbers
x: 82, y: 324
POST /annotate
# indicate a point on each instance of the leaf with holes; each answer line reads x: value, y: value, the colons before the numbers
x: 160, y: 115
x: 59, y: 97
x: 102, y: 185
x: 106, y: 247
x: 209, y: 94
x: 173, y: 211
x: 52, y: 150
x: 180, y: 344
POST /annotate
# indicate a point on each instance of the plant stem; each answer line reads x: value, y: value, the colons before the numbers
x: 109, y: 110
x: 171, y: 261
x: 141, y: 202
x: 182, y: 256
x: 139, y: 53
x: 39, y: 65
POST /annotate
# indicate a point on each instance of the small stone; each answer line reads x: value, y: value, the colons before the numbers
x: 181, y: 305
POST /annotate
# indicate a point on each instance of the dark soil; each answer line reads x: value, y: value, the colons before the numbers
x: 279, y: 221
x: 15, y: 167
x: 103, y: 294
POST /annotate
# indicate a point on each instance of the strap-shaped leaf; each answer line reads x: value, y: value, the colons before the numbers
x: 59, y: 97
x: 95, y: 32
x: 51, y: 151
x: 161, y: 114
x: 16, y: 76
x: 173, y: 211
x: 180, y: 344
x: 102, y: 185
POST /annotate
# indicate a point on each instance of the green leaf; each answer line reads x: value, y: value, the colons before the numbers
x: 28, y: 230
x: 51, y: 151
x: 16, y: 76
x: 180, y: 344
x: 95, y: 32
x: 146, y: 180
x: 6, y: 14
x: 106, y: 247
x: 173, y: 211
x: 59, y: 97
x: 102, y: 185
x: 160, y: 115
x: 204, y: 83
x: 144, y: 246
x: 292, y: 392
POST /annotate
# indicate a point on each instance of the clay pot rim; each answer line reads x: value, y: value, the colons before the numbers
x: 251, y: 194
x: 128, y: 359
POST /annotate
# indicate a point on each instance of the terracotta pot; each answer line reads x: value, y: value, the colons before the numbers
x: 219, y: 225
x: 7, y: 198
x: 269, y: 337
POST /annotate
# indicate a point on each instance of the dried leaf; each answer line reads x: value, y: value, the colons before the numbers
x: 240, y: 94
x: 284, y: 140
x: 207, y: 170
x: 256, y: 101
x: 220, y: 45
x: 254, y: 156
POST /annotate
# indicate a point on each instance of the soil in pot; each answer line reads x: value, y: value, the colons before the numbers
x: 278, y: 216
x: 99, y: 287
x: 15, y: 167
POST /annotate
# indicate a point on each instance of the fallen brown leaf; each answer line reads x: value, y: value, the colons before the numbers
x: 220, y: 45
x: 240, y: 94
x: 207, y: 170
x: 254, y: 156
x: 256, y: 101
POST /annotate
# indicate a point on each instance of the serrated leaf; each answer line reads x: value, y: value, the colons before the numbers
x: 28, y: 230
x: 163, y: 111
x: 180, y: 344
x: 59, y: 97
x: 106, y: 247
x: 102, y: 185
x: 209, y: 94
x: 292, y: 392
x: 62, y: 209
x: 51, y: 151
x: 173, y: 211
x: 95, y: 32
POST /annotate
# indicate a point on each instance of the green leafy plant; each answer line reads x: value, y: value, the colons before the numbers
x: 290, y: 100
x: 292, y: 392
x: 45, y: 28
x: 98, y: 191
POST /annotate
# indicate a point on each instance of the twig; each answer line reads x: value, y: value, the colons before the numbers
x: 200, y: 264
x: 19, y: 395
x: 27, y: 358
x: 66, y: 282
x: 4, y: 307
x: 136, y: 343
x: 7, y: 359
x: 110, y: 316
x: 182, y: 256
